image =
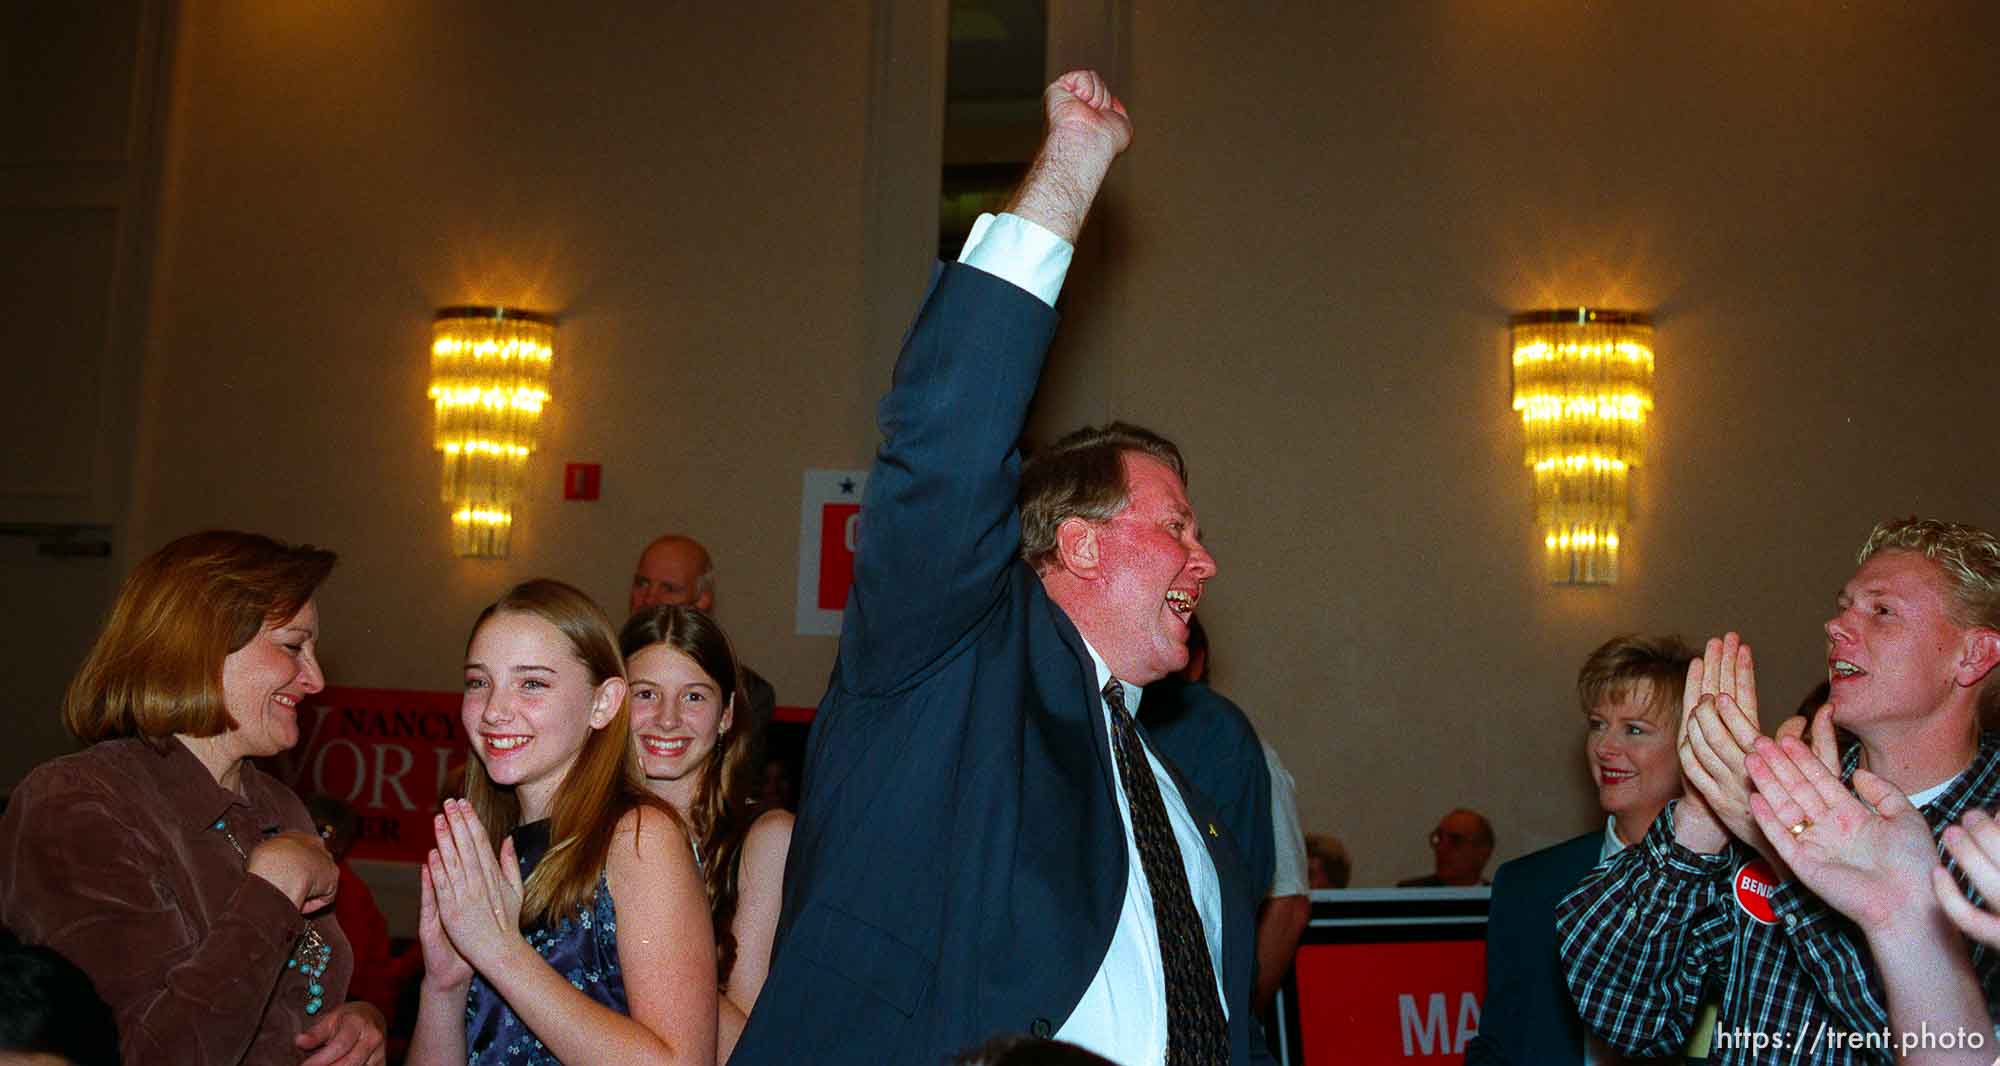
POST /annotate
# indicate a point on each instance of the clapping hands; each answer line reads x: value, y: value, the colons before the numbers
x: 1974, y: 844
x: 1719, y: 730
x: 1718, y: 727
x: 471, y: 914
x: 1865, y: 851
x: 1862, y: 851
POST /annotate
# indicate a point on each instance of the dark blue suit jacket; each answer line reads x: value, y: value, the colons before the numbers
x: 1528, y: 1018
x: 959, y: 862
x: 1210, y: 742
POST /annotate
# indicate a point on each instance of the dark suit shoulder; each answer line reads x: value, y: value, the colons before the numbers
x: 1210, y: 741
x: 1556, y: 859
x: 1527, y: 1017
x: 1194, y: 717
x: 763, y: 698
x: 1535, y: 881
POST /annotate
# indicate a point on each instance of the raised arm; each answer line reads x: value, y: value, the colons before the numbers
x: 1087, y: 129
x: 1974, y: 847
x: 939, y: 523
x: 1718, y: 726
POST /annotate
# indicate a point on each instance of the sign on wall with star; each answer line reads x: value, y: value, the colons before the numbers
x: 829, y: 528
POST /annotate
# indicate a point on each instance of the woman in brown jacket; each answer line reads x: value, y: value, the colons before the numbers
x: 188, y: 884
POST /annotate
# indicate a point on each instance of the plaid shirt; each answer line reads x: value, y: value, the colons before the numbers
x: 1642, y: 935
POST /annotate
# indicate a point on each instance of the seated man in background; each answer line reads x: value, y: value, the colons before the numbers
x: 1630, y: 691
x: 1461, y: 845
x: 1706, y: 899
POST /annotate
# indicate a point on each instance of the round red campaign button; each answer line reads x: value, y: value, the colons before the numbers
x: 1754, y: 882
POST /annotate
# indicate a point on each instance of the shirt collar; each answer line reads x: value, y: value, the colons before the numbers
x: 1132, y: 691
x: 192, y: 789
x: 1612, y: 845
x: 1918, y: 799
x: 1942, y: 804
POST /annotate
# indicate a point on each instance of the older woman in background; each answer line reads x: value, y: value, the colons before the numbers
x: 184, y: 881
x: 1630, y: 691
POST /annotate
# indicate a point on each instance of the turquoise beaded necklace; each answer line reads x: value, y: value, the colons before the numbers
x: 310, y: 955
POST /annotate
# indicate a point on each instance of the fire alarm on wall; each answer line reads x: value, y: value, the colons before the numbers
x: 580, y: 481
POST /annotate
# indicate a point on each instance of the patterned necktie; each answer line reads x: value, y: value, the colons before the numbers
x: 1197, y: 1032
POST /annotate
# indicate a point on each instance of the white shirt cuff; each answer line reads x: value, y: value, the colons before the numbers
x: 1016, y: 250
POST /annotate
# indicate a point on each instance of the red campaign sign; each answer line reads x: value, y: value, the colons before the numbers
x: 388, y: 754
x: 839, y: 529
x: 829, y: 529
x: 1367, y: 1004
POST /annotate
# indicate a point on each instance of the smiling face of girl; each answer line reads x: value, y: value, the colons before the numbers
x: 529, y: 705
x: 678, y: 714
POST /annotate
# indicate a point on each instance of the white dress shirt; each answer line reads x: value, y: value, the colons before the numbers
x: 1612, y: 845
x: 1919, y: 799
x: 1123, y: 1014
x: 1014, y: 249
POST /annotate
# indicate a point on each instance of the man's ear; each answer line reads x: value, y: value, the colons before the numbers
x: 1077, y: 547
x: 1981, y: 655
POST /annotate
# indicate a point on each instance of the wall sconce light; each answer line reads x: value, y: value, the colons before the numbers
x: 489, y: 381
x: 1583, y: 382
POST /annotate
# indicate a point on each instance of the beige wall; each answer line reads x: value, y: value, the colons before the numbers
x: 1329, y: 211
x: 682, y: 184
x: 1303, y: 272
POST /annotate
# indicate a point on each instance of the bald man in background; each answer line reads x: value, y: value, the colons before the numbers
x: 676, y: 569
